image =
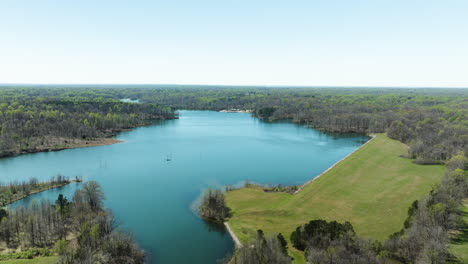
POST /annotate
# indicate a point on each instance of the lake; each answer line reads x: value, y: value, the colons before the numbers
x: 154, y: 198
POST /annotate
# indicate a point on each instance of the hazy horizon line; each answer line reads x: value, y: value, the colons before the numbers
x: 239, y: 85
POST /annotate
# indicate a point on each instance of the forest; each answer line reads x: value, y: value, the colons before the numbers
x: 433, y: 122
x: 33, y: 120
x: 79, y: 230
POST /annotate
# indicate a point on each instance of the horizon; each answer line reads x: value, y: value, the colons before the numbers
x: 231, y: 85
x: 263, y: 43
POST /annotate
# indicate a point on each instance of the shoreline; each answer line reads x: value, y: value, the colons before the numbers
x: 332, y: 166
x: 84, y: 144
x: 43, y: 190
x: 97, y: 142
x: 236, y: 240
x: 234, y: 236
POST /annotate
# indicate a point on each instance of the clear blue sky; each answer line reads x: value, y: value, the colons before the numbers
x: 310, y: 42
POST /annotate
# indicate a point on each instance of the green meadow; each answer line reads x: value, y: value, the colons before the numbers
x: 372, y: 189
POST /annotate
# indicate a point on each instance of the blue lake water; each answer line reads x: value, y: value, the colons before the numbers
x: 153, y: 197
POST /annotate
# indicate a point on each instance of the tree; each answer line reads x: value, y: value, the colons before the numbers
x: 93, y: 194
x: 262, y: 250
x: 283, y: 243
x: 343, y: 251
x: 3, y: 213
x: 213, y: 206
x: 457, y: 162
x: 319, y: 233
x: 265, y: 112
x: 62, y: 203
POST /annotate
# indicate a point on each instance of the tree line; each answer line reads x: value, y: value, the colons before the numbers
x: 36, y: 119
x: 16, y: 190
x: 433, y: 122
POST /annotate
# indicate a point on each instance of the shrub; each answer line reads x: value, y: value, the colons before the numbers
x: 319, y: 233
x: 213, y: 206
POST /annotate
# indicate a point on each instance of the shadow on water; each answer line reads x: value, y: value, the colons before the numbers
x: 339, y: 135
x: 212, y: 226
x: 219, y: 228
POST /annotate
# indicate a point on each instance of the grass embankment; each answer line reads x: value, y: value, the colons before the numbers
x: 372, y: 189
x: 459, y: 245
x: 39, y: 260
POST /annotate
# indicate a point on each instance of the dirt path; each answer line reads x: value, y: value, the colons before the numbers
x: 233, y: 235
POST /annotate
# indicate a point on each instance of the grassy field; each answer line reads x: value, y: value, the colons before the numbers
x: 372, y: 189
x: 41, y: 260
x: 459, y: 245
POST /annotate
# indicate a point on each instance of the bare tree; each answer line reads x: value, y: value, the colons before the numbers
x: 93, y: 194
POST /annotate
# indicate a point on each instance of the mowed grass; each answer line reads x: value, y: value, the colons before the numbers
x: 372, y: 189
x: 40, y: 260
x: 459, y: 245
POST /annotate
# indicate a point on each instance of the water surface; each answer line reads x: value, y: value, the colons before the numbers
x: 130, y: 100
x: 153, y: 197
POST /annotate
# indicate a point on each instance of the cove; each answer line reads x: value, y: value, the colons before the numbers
x: 154, y: 197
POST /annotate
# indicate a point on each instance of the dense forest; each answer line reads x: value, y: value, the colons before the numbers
x: 79, y: 230
x: 433, y: 122
x: 34, y: 120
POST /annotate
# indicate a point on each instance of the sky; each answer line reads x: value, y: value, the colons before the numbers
x: 409, y: 43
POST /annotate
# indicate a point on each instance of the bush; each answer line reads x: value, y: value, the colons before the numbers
x: 319, y: 233
x: 28, y: 254
x: 213, y: 206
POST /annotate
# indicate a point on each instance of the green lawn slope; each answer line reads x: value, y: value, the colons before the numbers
x: 41, y: 260
x: 372, y: 189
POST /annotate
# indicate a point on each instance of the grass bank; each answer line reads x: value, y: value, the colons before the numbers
x: 39, y: 260
x: 372, y: 188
